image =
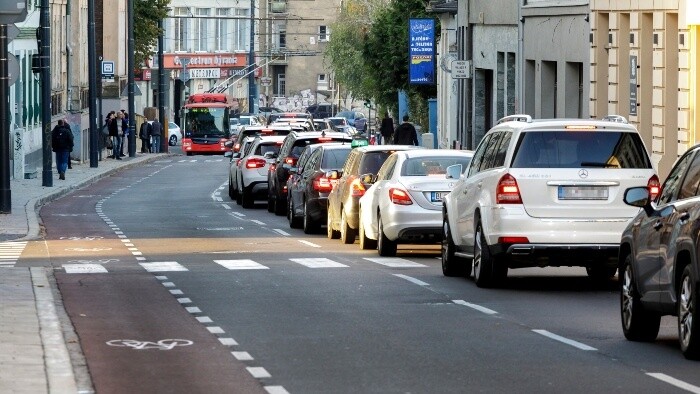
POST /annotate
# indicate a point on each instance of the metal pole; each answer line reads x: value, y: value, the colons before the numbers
x: 92, y: 88
x: 131, y: 65
x: 161, y: 87
x: 45, y: 54
x: 251, y: 60
x: 5, y: 192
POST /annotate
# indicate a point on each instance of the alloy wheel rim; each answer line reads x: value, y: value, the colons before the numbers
x: 685, y: 313
x: 445, y: 244
x: 477, y: 253
x: 342, y: 226
x: 627, y: 299
x: 380, y: 237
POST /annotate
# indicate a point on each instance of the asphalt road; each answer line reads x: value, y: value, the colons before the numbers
x: 160, y: 252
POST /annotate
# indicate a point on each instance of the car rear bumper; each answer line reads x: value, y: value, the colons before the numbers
x: 406, y: 224
x: 258, y: 189
x: 567, y: 255
x: 317, y: 209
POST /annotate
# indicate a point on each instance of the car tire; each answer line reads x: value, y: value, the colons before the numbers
x: 451, y: 264
x: 688, y: 331
x: 489, y: 271
x: 347, y: 234
x: 332, y: 234
x: 172, y: 141
x: 310, y: 226
x: 365, y: 242
x: 188, y: 153
x: 294, y: 221
x: 638, y: 324
x: 246, y: 198
x: 385, y: 246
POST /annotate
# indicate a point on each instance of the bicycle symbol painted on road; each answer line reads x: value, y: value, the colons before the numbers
x: 163, y: 344
x: 91, y: 238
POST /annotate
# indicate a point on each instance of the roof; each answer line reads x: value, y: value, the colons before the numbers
x: 438, y: 153
x: 560, y: 124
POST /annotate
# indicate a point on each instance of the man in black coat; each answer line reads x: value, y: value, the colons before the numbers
x: 62, y: 144
x: 405, y: 134
x: 386, y: 129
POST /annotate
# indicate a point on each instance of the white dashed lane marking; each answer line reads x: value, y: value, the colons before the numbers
x: 313, y: 245
x: 319, y: 263
x: 258, y: 372
x: 675, y: 382
x: 281, y: 232
x: 276, y: 390
x: 242, y: 356
x: 475, y: 307
x: 258, y: 222
x: 394, y: 262
x: 163, y: 266
x: 240, y: 265
x: 412, y: 280
x: 567, y: 341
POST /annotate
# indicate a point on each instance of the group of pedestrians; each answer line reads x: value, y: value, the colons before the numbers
x: 150, y: 134
x: 404, y: 134
x: 118, y: 131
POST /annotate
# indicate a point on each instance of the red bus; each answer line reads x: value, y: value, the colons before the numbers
x: 205, y: 117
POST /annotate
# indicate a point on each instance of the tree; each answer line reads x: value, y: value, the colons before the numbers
x: 147, y: 14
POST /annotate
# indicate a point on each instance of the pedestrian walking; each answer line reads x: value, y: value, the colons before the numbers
x: 156, y: 133
x: 127, y: 130
x: 62, y: 144
x: 405, y: 134
x: 386, y: 129
x: 117, y: 134
x: 145, y: 136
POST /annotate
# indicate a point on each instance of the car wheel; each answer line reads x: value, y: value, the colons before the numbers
x: 365, y: 243
x: 451, y: 264
x: 488, y: 270
x: 310, y: 225
x: 294, y: 221
x: 385, y: 246
x: 347, y: 234
x: 332, y: 234
x: 188, y: 154
x: 638, y: 324
x: 173, y: 140
x: 246, y: 198
x: 688, y: 332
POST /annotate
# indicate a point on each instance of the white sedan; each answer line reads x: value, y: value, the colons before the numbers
x: 174, y: 133
x: 404, y: 204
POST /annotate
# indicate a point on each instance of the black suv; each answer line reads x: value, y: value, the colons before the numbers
x: 323, y: 110
x: 289, y: 153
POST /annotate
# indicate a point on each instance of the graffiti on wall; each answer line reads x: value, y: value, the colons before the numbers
x: 294, y: 103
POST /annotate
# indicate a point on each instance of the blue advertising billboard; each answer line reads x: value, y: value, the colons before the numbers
x: 421, y: 51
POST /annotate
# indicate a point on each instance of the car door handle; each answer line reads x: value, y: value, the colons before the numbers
x: 658, y: 225
x: 684, y: 216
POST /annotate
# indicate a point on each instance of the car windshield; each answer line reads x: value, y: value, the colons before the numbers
x: 244, y: 121
x: 371, y: 161
x: 262, y: 149
x: 299, y: 145
x: 335, y: 158
x: 424, y: 166
x: 576, y: 149
x: 205, y: 121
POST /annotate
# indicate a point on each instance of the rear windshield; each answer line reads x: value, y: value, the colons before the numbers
x: 262, y: 149
x: 422, y: 166
x: 334, y: 158
x: 576, y: 149
x: 299, y: 145
x: 371, y: 161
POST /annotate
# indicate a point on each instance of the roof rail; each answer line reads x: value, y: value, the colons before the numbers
x: 516, y: 118
x: 615, y: 118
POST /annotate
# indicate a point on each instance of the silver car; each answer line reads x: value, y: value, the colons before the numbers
x: 404, y: 203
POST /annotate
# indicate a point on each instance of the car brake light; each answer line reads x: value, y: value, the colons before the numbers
x: 507, y: 191
x: 357, y: 188
x: 323, y: 184
x: 324, y: 139
x: 654, y: 187
x: 290, y: 160
x: 399, y: 196
x: 513, y: 240
x: 255, y: 162
x: 273, y: 167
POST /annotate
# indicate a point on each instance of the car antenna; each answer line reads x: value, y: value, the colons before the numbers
x: 323, y: 133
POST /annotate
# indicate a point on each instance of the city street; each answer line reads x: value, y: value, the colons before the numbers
x: 172, y: 287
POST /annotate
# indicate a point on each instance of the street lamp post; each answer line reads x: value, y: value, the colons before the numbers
x: 130, y: 64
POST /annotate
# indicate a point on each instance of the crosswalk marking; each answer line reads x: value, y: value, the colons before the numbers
x: 318, y: 263
x: 10, y: 252
x: 241, y: 265
x: 163, y: 266
x: 84, y: 269
x: 394, y: 262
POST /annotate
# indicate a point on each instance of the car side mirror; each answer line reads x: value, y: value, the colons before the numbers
x: 228, y: 154
x: 333, y: 174
x: 453, y: 171
x: 367, y: 179
x: 639, y: 197
x: 270, y: 155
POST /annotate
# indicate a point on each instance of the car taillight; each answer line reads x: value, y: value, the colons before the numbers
x: 273, y: 167
x: 507, y: 191
x: 255, y: 162
x: 654, y: 187
x: 399, y: 196
x: 323, y: 184
x: 290, y: 160
x: 222, y: 142
x: 357, y: 189
x: 237, y: 147
x: 513, y: 240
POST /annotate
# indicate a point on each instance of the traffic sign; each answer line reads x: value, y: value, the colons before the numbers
x: 107, y: 70
x: 12, y: 69
x: 265, y: 81
x: 184, y: 75
x: 461, y: 69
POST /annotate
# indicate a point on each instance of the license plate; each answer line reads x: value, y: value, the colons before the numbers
x: 437, y: 196
x: 583, y: 192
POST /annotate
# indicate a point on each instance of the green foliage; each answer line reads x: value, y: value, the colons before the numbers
x: 147, y: 14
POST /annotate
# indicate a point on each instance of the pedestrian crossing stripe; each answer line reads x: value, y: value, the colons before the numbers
x: 241, y: 265
x: 10, y: 252
x: 394, y: 262
x: 318, y: 263
x: 163, y: 266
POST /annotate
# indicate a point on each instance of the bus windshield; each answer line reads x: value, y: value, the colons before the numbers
x: 205, y: 121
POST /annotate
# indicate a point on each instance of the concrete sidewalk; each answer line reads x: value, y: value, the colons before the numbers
x: 34, y: 355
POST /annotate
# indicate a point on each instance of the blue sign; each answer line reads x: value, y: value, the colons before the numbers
x: 421, y: 51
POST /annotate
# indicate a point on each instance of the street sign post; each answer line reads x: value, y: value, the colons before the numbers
x: 461, y: 69
x: 265, y: 81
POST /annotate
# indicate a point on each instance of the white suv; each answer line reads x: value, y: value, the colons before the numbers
x: 251, y: 179
x: 544, y: 193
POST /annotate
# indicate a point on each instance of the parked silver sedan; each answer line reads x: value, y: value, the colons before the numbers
x: 405, y: 200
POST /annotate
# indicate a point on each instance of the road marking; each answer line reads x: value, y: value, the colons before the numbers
x: 168, y: 284
x: 242, y: 356
x: 141, y: 258
x: 240, y: 215
x: 176, y: 292
x: 258, y: 372
x: 313, y: 245
x: 216, y: 330
x: 131, y: 249
x: 675, y: 382
x: 137, y: 253
x: 394, y: 262
x: 226, y: 206
x: 204, y: 319
x: 184, y: 300
x: 228, y: 341
x: 193, y: 309
x: 567, y: 341
x: 258, y: 222
x: 162, y: 277
x: 475, y: 307
x: 281, y: 232
x: 240, y: 265
x: 84, y: 269
x: 276, y: 390
x: 412, y: 280
x: 118, y: 232
x: 163, y: 266
x: 219, y: 199
x: 10, y: 252
x: 318, y: 263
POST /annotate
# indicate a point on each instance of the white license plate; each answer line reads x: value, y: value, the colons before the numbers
x: 437, y: 196
x: 583, y: 193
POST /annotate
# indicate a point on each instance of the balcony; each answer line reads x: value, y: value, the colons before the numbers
x: 278, y: 6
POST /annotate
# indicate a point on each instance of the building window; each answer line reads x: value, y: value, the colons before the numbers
x: 222, y: 29
x: 281, y: 86
x: 181, y: 28
x: 324, y: 33
x: 241, y: 26
x: 201, y: 29
x: 283, y: 37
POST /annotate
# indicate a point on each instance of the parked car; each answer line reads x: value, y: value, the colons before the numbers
x: 260, y: 130
x: 353, y: 180
x: 251, y: 177
x: 322, y: 110
x: 292, y: 147
x: 404, y: 204
x: 289, y: 115
x: 174, y: 133
x: 322, y: 124
x: 236, y: 158
x: 659, y: 266
x: 337, y: 122
x: 544, y: 193
x: 351, y: 116
x: 309, y: 185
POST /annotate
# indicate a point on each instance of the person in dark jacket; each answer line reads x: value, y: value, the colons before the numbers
x: 405, y: 134
x: 117, y: 134
x: 386, y: 129
x: 62, y: 144
x: 156, y: 134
